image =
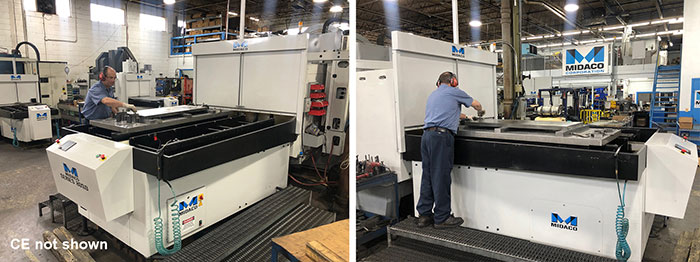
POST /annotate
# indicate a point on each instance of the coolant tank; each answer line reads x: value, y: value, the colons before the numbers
x: 95, y: 173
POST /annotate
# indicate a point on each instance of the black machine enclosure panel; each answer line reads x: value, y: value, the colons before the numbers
x: 555, y: 159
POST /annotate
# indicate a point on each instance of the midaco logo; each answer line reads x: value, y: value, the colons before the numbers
x: 570, y: 223
x: 194, y: 203
x: 71, y: 175
x: 459, y: 52
x: 240, y: 46
x: 40, y: 116
x: 593, y: 62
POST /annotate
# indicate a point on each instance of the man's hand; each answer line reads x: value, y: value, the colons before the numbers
x: 481, y: 113
x: 462, y: 116
x: 130, y: 107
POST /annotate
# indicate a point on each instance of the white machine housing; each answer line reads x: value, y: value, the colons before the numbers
x: 134, y: 85
x: 521, y: 203
x: 273, y: 74
x: 54, y: 76
x: 37, y: 125
x: 124, y: 201
x: 16, y: 87
x: 259, y: 74
x: 390, y: 100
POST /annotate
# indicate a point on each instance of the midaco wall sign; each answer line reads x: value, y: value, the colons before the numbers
x: 584, y: 60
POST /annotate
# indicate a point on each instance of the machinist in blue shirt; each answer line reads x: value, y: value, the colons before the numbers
x: 442, y: 115
x: 100, y: 102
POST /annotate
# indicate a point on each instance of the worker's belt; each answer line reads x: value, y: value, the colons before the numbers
x: 439, y: 129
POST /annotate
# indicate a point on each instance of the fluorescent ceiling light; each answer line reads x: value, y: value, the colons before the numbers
x: 613, y: 27
x: 645, y: 35
x: 639, y: 24
x: 336, y: 9
x: 571, y: 7
x: 320, y: 1
x: 168, y: 2
x: 254, y: 19
x: 233, y: 13
x: 664, y: 33
x: 676, y: 21
x: 475, y: 23
x: 571, y: 33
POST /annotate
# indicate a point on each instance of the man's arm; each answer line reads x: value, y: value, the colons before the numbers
x: 476, y: 105
x: 114, y: 104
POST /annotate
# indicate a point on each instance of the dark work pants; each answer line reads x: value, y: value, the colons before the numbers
x: 437, y: 154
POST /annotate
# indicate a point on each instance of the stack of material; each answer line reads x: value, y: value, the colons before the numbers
x: 688, y: 247
x: 60, y: 235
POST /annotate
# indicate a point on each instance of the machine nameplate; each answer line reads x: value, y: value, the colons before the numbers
x: 66, y: 145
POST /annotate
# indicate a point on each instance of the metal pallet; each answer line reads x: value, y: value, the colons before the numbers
x: 487, y: 244
x: 228, y: 237
x: 301, y: 218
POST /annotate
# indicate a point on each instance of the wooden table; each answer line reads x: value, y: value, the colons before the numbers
x: 335, y: 236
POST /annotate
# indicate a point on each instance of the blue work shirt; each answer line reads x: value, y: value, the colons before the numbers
x: 444, y: 106
x: 94, y: 108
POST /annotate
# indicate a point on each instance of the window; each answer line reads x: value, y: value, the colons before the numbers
x: 106, y: 14
x: 151, y: 22
x: 62, y: 7
x: 29, y: 5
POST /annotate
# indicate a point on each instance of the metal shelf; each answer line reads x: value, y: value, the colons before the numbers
x: 202, y: 18
x: 203, y: 28
x: 179, y: 49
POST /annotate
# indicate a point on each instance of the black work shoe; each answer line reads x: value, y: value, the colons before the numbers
x: 450, y: 222
x: 425, y: 220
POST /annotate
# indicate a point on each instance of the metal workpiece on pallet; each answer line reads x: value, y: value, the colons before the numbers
x: 301, y: 218
x: 156, y: 118
x: 565, y: 133
x: 228, y: 237
x: 487, y: 244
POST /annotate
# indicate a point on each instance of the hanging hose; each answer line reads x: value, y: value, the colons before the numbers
x: 15, y: 143
x: 174, y: 213
x: 58, y: 131
x: 622, y: 249
x: 175, y: 219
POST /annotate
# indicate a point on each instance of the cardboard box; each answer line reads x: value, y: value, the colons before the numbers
x: 196, y: 15
x: 685, y: 122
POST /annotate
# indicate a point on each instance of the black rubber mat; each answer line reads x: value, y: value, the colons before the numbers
x: 488, y: 244
x: 405, y: 249
x: 220, y: 243
x: 301, y: 218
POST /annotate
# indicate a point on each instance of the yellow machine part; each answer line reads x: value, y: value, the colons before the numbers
x: 590, y: 115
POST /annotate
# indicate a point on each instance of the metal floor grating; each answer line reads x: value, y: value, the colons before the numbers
x: 301, y: 218
x: 404, y: 249
x: 237, y: 231
x: 488, y: 244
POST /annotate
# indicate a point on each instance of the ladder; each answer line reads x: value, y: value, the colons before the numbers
x: 664, y: 98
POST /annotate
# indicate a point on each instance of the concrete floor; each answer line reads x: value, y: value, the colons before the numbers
x: 25, y: 180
